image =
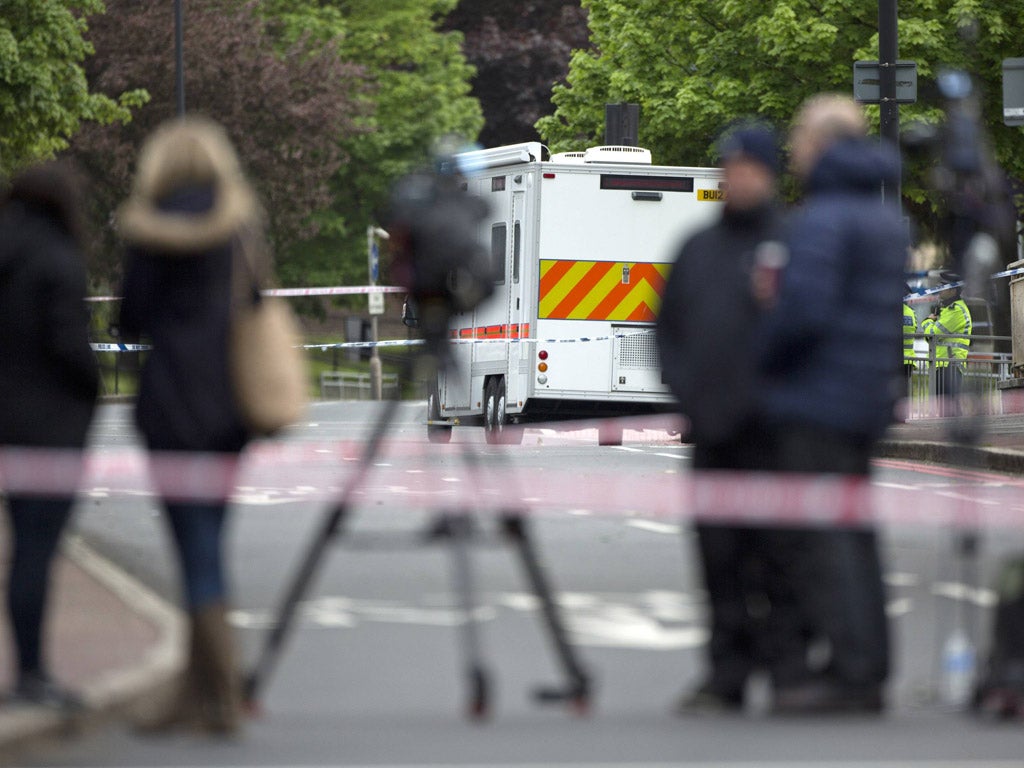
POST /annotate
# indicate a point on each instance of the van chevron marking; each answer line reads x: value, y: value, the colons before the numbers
x: 595, y: 290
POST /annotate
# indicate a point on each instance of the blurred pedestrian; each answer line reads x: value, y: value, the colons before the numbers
x: 189, y: 208
x: 830, y: 355
x: 719, y: 286
x: 48, y: 386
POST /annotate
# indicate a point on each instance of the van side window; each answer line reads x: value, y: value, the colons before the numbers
x: 517, y: 236
x: 498, y: 235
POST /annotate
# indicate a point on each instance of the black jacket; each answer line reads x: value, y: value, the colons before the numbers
x: 707, y: 320
x: 48, y: 373
x: 180, y: 302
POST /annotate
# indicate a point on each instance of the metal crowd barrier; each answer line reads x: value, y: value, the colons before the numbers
x: 345, y: 385
x: 930, y: 380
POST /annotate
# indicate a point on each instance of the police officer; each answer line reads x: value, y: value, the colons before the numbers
x: 950, y: 328
x: 909, y: 330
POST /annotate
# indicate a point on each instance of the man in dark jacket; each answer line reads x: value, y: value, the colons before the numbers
x: 704, y: 328
x: 48, y: 385
x: 830, y: 353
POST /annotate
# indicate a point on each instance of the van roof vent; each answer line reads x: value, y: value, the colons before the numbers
x: 572, y: 158
x: 614, y: 154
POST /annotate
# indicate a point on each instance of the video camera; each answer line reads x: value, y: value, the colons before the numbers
x: 977, y: 212
x: 438, y: 255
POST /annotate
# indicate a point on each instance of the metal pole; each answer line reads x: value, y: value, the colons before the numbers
x: 376, y: 375
x: 179, y: 57
x: 888, y: 52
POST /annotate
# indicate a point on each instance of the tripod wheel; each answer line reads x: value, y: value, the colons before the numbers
x: 580, y: 706
x: 479, y: 696
x: 252, y: 709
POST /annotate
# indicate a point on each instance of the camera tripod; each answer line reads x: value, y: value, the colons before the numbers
x: 458, y: 530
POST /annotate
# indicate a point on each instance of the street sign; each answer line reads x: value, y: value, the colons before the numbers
x: 866, y: 86
x: 374, y: 262
x: 1013, y: 91
x: 376, y: 303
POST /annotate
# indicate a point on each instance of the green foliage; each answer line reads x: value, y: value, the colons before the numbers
x: 694, y: 66
x: 419, y: 92
x: 44, y: 95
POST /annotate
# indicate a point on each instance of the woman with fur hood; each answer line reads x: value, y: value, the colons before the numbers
x: 189, y: 207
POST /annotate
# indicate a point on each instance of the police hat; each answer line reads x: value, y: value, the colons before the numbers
x: 949, y: 276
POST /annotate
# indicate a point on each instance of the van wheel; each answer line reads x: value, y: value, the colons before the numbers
x: 436, y: 433
x: 498, y: 430
x: 609, y: 433
x: 493, y: 421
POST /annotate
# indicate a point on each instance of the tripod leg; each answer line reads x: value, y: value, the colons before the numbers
x: 310, y: 564
x: 577, y: 692
x: 274, y: 644
x: 460, y: 529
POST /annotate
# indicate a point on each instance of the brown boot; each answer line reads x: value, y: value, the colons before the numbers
x: 219, y: 681
x: 180, y: 709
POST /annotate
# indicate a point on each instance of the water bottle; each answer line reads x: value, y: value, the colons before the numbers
x: 958, y: 662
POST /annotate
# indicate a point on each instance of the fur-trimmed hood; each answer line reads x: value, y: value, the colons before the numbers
x: 186, y: 153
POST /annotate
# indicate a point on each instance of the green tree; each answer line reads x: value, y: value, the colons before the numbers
x: 285, y: 108
x: 44, y: 95
x: 420, y: 91
x: 695, y: 66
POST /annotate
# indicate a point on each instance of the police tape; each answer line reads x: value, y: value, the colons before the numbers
x: 338, y: 290
x: 272, y: 474
x: 117, y: 347
x: 916, y: 297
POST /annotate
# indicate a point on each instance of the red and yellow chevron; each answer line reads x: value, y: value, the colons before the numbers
x: 600, y: 290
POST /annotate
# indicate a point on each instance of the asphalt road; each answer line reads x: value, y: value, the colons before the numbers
x: 375, y: 673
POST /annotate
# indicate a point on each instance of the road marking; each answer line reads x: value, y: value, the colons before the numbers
x: 954, y: 590
x: 654, y: 620
x: 655, y: 527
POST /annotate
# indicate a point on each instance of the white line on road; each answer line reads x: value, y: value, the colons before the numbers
x: 655, y: 527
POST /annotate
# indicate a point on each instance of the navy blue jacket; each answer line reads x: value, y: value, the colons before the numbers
x: 831, y: 350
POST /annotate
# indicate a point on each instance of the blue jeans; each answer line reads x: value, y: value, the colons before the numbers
x: 198, y: 529
x: 36, y: 525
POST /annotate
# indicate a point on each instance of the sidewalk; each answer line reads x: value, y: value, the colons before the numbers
x: 110, y: 639
x: 997, y: 447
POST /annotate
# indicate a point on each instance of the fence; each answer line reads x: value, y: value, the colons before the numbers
x: 938, y: 386
x: 345, y: 385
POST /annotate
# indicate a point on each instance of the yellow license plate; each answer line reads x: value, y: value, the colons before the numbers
x: 714, y: 195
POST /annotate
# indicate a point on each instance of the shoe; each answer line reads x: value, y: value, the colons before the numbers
x: 828, y: 697
x: 709, y: 700
x: 38, y: 690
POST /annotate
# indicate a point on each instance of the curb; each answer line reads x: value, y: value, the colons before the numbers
x: 119, y: 688
x: 972, y: 456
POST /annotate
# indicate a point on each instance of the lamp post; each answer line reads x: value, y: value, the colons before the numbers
x: 888, y: 51
x: 179, y: 63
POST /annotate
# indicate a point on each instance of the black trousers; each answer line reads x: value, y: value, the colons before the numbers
x: 754, y: 618
x: 835, y: 573
x: 36, y: 526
